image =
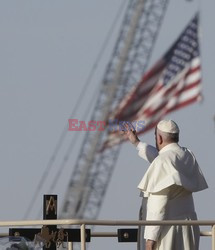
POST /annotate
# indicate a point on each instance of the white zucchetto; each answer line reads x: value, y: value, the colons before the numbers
x: 168, y: 126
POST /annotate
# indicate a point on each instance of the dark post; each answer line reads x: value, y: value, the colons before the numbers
x: 50, y: 213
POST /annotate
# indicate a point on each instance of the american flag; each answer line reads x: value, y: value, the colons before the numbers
x: 172, y: 83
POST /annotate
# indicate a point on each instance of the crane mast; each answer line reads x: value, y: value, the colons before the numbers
x: 93, y: 169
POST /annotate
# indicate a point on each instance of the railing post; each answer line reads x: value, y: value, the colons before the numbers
x: 70, y: 246
x: 213, y: 237
x: 83, y: 237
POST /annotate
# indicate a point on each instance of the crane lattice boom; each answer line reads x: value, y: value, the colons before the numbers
x: 128, y: 62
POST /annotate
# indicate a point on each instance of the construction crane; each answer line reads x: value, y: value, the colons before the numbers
x: 93, y: 169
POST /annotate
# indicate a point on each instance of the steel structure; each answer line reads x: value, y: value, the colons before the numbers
x: 93, y: 170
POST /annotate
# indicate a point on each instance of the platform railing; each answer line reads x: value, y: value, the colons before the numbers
x: 107, y: 223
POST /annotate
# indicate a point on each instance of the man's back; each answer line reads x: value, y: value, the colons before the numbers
x: 174, y: 165
x: 168, y: 184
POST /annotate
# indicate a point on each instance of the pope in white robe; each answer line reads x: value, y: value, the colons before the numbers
x: 167, y: 185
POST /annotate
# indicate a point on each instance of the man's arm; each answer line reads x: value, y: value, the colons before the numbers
x: 147, y: 152
x: 156, y: 210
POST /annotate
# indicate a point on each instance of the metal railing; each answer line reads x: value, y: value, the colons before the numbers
x: 83, y: 223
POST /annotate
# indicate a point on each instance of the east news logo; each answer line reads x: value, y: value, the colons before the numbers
x: 111, y: 125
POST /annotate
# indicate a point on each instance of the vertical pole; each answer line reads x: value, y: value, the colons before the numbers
x: 83, y: 237
x: 70, y: 246
x: 50, y: 213
x: 213, y: 237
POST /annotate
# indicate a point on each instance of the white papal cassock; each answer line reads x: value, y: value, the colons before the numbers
x: 168, y: 185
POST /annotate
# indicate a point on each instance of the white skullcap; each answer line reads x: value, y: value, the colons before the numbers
x: 168, y: 126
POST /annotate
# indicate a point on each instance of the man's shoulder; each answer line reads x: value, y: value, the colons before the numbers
x: 176, y: 150
x: 158, y: 162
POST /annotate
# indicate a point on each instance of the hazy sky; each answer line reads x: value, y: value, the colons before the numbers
x: 47, y: 50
